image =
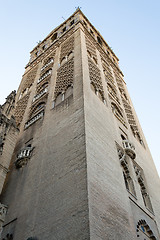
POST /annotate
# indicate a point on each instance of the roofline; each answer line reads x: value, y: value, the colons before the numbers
x: 56, y: 29
x: 77, y: 10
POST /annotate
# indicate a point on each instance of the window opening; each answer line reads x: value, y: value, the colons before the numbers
x: 72, y: 22
x: 99, y: 40
x: 54, y: 37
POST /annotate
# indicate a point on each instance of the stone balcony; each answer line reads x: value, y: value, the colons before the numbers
x: 34, y: 119
x: 129, y: 148
x: 44, y: 76
x: 23, y: 157
x: 36, y: 97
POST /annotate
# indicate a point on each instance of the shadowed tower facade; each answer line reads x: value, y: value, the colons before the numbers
x: 81, y: 168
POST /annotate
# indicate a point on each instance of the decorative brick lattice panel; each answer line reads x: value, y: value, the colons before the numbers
x: 95, y: 77
x: 128, y: 109
x: 64, y: 77
x: 107, y: 72
x: 50, y: 49
x: 67, y: 47
x: 20, y: 108
x: 111, y: 86
x: 29, y: 78
x: 91, y: 48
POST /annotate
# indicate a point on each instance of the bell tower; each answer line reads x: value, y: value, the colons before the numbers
x: 81, y: 167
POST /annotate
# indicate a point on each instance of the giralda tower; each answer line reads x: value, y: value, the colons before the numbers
x: 81, y: 168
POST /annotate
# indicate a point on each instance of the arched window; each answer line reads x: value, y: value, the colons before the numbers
x: 72, y: 22
x: 54, y: 37
x: 91, y: 32
x: 70, y: 55
x: 116, y: 110
x: 64, y: 59
x: 111, y: 89
x: 99, y: 40
x: 37, y: 108
x: 85, y: 23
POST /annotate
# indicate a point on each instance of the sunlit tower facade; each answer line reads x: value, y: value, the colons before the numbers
x: 81, y: 168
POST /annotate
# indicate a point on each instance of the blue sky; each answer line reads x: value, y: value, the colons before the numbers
x: 131, y: 28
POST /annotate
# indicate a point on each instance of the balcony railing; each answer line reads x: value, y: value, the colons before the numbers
x: 23, y: 157
x: 47, y: 64
x: 34, y: 119
x: 129, y: 148
x: 40, y: 94
x: 44, y: 76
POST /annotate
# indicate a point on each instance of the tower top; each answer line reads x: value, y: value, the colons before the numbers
x: 77, y: 17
